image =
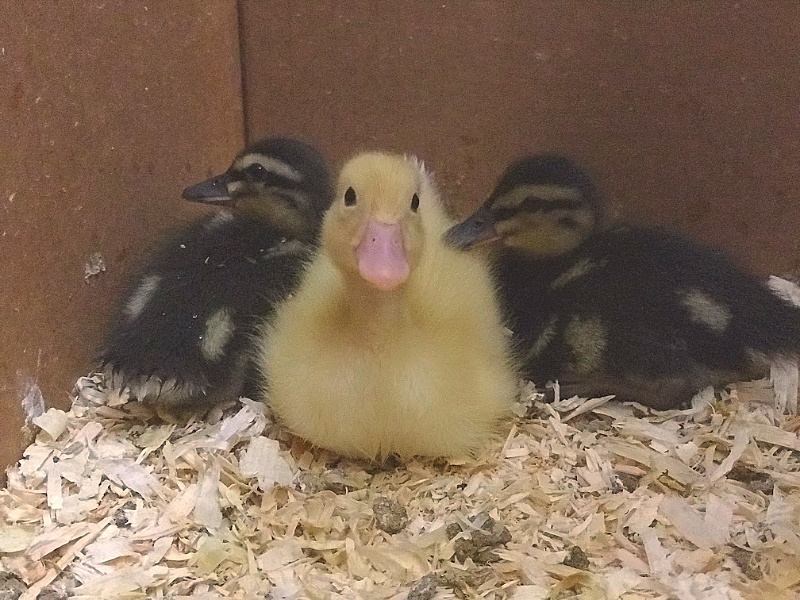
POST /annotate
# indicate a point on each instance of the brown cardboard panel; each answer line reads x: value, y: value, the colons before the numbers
x: 688, y: 112
x: 108, y: 110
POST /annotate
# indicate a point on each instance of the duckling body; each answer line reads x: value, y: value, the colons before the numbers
x: 380, y: 351
x: 183, y: 332
x: 634, y: 311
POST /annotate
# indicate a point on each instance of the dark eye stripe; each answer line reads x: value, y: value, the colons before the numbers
x: 534, y: 203
x: 257, y: 172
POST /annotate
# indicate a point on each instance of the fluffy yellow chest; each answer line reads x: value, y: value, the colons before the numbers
x: 382, y: 379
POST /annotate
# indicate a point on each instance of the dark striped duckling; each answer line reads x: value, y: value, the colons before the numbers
x: 613, y: 309
x: 182, y: 332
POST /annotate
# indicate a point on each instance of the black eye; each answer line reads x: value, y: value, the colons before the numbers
x: 534, y: 204
x: 256, y: 171
x: 350, y: 197
x: 414, y: 202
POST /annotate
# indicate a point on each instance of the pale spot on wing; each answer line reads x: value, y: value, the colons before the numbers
x: 142, y: 295
x: 785, y: 289
x: 218, y: 332
x: 587, y: 336
x: 706, y: 310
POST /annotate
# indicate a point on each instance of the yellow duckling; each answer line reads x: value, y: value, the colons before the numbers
x: 393, y: 342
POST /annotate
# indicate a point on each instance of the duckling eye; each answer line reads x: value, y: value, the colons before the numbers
x: 256, y: 171
x: 350, y: 197
x: 414, y: 202
x: 534, y: 204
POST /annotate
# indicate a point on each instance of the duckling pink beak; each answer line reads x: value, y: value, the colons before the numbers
x: 382, y: 258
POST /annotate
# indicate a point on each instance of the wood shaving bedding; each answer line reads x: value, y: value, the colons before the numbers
x: 581, y: 499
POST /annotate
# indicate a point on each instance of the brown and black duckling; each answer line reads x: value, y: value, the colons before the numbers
x: 608, y: 308
x: 182, y: 335
x: 380, y: 351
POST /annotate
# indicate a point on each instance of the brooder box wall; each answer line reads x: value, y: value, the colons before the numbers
x: 108, y: 109
x: 687, y: 112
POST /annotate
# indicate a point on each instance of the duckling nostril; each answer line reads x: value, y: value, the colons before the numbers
x: 382, y: 258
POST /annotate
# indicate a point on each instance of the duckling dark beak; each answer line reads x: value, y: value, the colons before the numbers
x: 211, y: 191
x: 473, y: 231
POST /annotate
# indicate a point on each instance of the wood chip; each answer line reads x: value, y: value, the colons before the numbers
x: 111, y: 501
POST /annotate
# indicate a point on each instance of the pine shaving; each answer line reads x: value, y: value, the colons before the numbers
x: 601, y: 500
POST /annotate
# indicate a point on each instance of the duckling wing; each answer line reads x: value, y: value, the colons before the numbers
x: 725, y: 315
x: 640, y: 311
x: 182, y: 333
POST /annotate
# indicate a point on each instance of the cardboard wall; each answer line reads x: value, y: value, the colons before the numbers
x: 108, y: 109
